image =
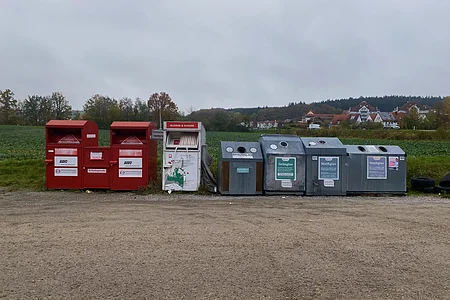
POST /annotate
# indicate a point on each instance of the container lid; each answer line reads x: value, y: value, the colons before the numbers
x: 374, y: 149
x: 323, y: 146
x: 67, y: 123
x: 129, y: 125
x: 281, y: 144
x: 241, y: 150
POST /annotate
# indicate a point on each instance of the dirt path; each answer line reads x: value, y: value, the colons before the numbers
x: 123, y: 246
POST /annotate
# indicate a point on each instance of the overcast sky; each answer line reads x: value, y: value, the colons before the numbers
x: 225, y: 53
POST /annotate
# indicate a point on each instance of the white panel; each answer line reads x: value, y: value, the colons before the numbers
x: 136, y: 173
x: 66, y: 161
x: 73, y: 172
x: 130, y: 163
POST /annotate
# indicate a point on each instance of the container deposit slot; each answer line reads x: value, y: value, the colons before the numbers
x: 182, y: 140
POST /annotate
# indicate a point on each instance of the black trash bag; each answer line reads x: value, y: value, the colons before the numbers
x: 445, y: 181
x: 207, y: 179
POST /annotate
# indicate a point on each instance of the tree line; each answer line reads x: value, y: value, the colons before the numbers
x: 36, y: 110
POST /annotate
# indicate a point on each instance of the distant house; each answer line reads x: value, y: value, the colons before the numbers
x: 413, y: 107
x: 364, y: 109
x: 388, y: 119
x: 339, y: 119
x: 312, y: 117
x: 376, y: 118
x: 266, y: 124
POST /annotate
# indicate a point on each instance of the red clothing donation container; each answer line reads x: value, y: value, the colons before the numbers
x: 96, y: 167
x: 65, y: 140
x: 133, y: 155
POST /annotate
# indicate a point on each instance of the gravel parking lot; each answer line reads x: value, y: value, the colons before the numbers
x: 66, y: 245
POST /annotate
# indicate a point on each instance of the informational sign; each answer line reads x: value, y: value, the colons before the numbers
x: 157, y: 134
x: 242, y: 170
x: 242, y: 155
x: 136, y: 173
x: 96, y: 155
x: 130, y: 152
x: 181, y: 171
x: 91, y: 135
x: 328, y: 183
x: 66, y: 151
x: 393, y: 163
x: 285, y: 168
x: 72, y: 172
x: 66, y: 161
x: 182, y: 125
x: 376, y: 167
x: 96, y: 171
x: 328, y: 168
x: 287, y: 184
x: 130, y: 163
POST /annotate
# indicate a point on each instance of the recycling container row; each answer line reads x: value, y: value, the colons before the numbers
x: 287, y: 164
x: 75, y: 161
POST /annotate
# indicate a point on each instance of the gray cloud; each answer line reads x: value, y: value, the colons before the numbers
x: 225, y: 53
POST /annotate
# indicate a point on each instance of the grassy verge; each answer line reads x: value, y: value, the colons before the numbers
x: 23, y: 174
x: 30, y: 174
x: 430, y: 166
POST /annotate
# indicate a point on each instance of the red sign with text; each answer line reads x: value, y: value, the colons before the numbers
x: 190, y: 125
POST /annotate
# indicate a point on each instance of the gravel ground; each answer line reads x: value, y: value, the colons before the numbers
x: 66, y: 245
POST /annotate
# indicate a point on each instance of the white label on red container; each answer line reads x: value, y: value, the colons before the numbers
x: 96, y: 171
x: 91, y: 135
x: 96, y: 155
x: 130, y: 163
x: 66, y: 161
x: 130, y: 152
x: 130, y: 173
x: 72, y: 172
x: 65, y: 151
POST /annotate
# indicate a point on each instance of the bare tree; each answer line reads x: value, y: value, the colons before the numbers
x: 161, y: 107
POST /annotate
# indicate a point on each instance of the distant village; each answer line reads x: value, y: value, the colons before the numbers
x: 362, y: 113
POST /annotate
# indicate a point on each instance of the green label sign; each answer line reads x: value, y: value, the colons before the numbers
x: 285, y: 168
x: 243, y: 170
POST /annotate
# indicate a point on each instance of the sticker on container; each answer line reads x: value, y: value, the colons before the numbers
x: 137, y: 173
x: 242, y: 155
x: 328, y: 168
x: 372, y: 149
x: 130, y: 152
x: 72, y: 172
x: 65, y: 151
x: 96, y: 171
x: 328, y: 183
x: 242, y: 170
x: 96, y: 155
x: 91, y: 135
x: 130, y: 162
x: 285, y: 168
x: 66, y: 161
x: 376, y: 167
x: 393, y: 163
x: 286, y: 183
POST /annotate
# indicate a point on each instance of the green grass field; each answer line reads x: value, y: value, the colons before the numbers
x: 22, y: 151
